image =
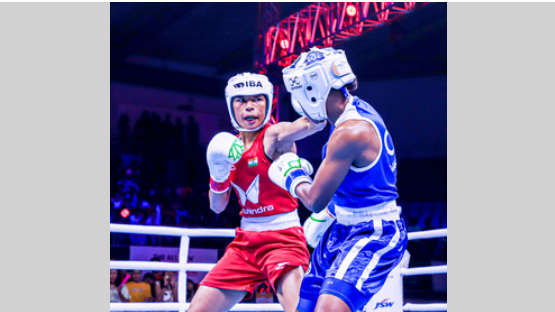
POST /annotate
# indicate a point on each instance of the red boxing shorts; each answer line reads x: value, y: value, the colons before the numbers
x: 255, y: 257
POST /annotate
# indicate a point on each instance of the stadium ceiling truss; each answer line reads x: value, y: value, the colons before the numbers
x: 325, y: 24
x: 321, y: 24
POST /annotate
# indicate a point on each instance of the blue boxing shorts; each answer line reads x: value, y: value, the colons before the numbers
x: 352, y: 262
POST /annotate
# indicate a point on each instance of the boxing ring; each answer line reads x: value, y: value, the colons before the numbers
x: 182, y: 267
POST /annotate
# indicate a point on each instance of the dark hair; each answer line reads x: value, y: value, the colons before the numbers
x: 195, y: 286
x: 149, y: 275
x: 153, y: 278
x: 120, y: 277
x: 352, y: 86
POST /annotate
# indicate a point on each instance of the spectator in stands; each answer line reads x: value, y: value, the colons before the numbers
x: 121, y: 290
x: 159, y: 278
x: 191, y: 289
x: 181, y: 214
x: 178, y: 131
x: 123, y: 126
x: 193, y: 132
x: 154, y: 217
x: 166, y: 128
x: 115, y: 291
x: 156, y: 122
x: 143, y: 126
x: 137, y: 218
x: 167, y: 291
x: 182, y: 204
x: 139, y: 291
x: 127, y: 185
x: 150, y: 279
x: 124, y: 132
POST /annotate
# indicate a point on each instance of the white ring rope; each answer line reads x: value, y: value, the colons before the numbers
x: 174, y: 306
x: 428, y: 234
x: 169, y: 231
x: 425, y: 307
x: 183, y: 267
x: 160, y: 266
x: 440, y: 269
x: 173, y: 231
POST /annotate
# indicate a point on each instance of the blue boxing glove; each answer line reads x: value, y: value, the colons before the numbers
x: 288, y: 171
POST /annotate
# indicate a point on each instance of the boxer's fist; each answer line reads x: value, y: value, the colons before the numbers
x: 289, y: 170
x: 224, y: 150
x: 315, y: 226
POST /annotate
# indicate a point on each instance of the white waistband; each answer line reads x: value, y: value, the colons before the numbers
x: 388, y: 211
x: 271, y: 223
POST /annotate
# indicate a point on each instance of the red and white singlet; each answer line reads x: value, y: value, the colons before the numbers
x: 270, y: 241
x: 258, y: 195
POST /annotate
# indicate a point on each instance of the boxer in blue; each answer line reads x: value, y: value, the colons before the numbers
x: 356, y: 183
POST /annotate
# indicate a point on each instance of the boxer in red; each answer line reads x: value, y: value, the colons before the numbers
x: 270, y: 243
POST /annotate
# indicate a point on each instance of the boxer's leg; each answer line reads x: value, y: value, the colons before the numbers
x: 288, y: 287
x: 210, y: 299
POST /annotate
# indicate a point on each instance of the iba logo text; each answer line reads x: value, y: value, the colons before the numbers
x: 249, y: 83
x: 384, y: 304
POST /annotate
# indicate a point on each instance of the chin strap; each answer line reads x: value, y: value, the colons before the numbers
x: 345, y: 92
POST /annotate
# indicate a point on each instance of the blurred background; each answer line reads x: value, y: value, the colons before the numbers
x: 169, y: 64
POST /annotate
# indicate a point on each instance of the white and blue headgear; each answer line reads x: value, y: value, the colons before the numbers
x: 249, y: 84
x: 310, y: 78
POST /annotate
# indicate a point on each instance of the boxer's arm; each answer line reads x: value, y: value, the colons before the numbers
x: 280, y: 138
x: 329, y: 176
x: 315, y: 225
x: 223, y: 151
x: 218, y: 202
x: 346, y: 145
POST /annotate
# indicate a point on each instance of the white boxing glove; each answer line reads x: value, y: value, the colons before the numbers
x: 315, y: 226
x: 288, y: 171
x: 224, y: 150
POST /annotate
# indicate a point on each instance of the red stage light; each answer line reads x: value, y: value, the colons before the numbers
x: 125, y: 212
x: 284, y: 43
x: 351, y: 10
